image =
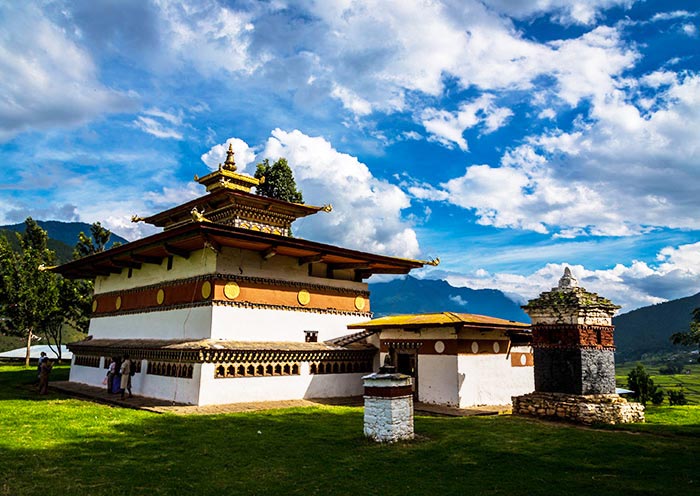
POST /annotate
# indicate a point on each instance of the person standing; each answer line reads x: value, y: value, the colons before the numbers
x: 111, y: 372
x: 42, y: 359
x: 44, y: 372
x: 125, y: 371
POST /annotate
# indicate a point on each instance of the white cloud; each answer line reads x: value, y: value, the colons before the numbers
x: 690, y: 30
x: 631, y: 286
x: 47, y: 80
x: 208, y: 36
x: 449, y: 127
x: 563, y: 11
x: 458, y: 300
x: 367, y: 212
x: 243, y: 154
x: 357, y: 105
x: 626, y: 170
x: 156, y: 128
x: 676, y: 14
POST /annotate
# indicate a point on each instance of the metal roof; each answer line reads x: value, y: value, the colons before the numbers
x: 443, y: 319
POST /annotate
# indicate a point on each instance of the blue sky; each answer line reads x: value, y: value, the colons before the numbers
x: 507, y: 138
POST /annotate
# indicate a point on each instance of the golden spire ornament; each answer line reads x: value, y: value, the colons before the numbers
x: 230, y: 163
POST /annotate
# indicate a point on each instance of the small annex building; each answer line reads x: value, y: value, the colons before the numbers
x: 224, y: 306
x: 457, y: 359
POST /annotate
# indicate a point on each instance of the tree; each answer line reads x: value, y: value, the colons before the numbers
x: 639, y: 381
x: 277, y: 181
x: 72, y: 309
x: 691, y: 337
x: 95, y: 243
x: 29, y: 295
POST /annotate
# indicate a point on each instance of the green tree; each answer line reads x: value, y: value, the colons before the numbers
x: 95, y: 243
x: 691, y: 337
x: 639, y: 381
x: 277, y: 181
x: 29, y: 295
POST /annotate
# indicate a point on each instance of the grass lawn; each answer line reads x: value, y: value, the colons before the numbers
x: 56, y: 445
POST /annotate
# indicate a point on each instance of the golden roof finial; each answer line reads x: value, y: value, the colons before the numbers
x: 230, y: 164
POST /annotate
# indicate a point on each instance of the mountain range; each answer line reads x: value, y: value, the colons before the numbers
x: 63, y: 236
x: 644, y: 330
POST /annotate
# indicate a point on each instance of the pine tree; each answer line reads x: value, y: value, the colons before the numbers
x: 277, y: 181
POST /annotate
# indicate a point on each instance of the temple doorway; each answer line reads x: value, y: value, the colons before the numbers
x: 407, y: 363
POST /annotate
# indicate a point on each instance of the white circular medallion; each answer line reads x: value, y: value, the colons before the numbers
x: 475, y: 347
x: 439, y: 346
x: 523, y: 359
x: 496, y: 347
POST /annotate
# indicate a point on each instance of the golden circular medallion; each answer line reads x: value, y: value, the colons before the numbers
x: 232, y: 290
x: 160, y: 296
x: 303, y: 297
x: 118, y: 303
x: 206, y: 289
x: 359, y: 303
x: 94, y: 305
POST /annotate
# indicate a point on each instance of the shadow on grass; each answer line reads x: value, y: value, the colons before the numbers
x: 84, y: 448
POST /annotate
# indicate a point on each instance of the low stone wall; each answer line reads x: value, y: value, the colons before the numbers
x: 588, y: 409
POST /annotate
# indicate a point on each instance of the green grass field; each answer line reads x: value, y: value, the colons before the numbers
x: 57, y: 445
x: 690, y: 383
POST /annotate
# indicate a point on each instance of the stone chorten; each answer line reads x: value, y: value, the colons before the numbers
x: 572, y: 337
x: 574, y: 361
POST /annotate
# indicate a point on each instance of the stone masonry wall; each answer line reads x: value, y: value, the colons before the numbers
x: 389, y: 420
x: 587, y: 409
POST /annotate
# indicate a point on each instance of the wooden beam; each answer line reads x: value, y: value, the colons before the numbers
x: 269, y: 253
x: 109, y: 269
x: 215, y: 245
x: 147, y: 259
x: 310, y: 259
x: 345, y: 266
x: 173, y: 250
x: 126, y: 264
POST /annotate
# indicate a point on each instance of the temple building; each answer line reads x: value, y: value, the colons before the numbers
x: 457, y: 359
x: 224, y: 306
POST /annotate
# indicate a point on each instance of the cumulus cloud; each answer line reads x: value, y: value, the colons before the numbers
x: 367, y: 211
x: 629, y: 168
x: 47, y: 80
x: 677, y: 274
x: 243, y: 154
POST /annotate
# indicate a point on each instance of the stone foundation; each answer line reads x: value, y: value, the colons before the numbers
x: 388, y: 407
x: 588, y: 409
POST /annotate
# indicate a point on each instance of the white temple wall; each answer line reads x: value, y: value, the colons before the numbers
x: 251, y: 264
x: 438, y: 382
x: 180, y: 390
x: 193, y: 323
x: 92, y: 376
x: 256, y: 324
x: 428, y: 332
x: 200, y: 262
x: 491, y: 380
x: 247, y: 389
x: 177, y: 389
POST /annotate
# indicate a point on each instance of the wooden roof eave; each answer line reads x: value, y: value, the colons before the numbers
x: 190, y: 237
